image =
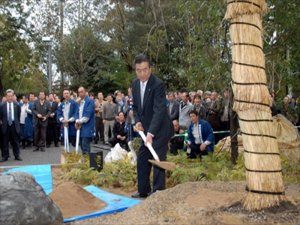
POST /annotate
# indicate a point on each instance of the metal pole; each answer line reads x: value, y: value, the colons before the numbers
x: 50, y: 67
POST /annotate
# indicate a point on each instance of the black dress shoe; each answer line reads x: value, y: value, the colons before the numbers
x: 42, y: 149
x: 36, y: 149
x: 56, y: 145
x: 18, y: 158
x: 3, y: 159
x: 138, y: 195
x: 47, y: 146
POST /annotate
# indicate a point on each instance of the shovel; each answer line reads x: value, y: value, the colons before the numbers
x: 162, y: 164
x: 66, y: 139
x: 77, y: 140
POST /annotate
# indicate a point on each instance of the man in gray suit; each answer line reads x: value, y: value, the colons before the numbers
x: 173, y: 106
x: 41, y: 111
x: 151, y: 115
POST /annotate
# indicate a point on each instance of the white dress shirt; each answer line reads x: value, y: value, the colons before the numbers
x: 143, y: 85
x: 23, y: 113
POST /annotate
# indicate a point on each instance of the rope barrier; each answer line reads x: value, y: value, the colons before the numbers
x: 228, y: 131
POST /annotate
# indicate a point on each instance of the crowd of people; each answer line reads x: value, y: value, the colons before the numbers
x: 80, y: 118
x: 39, y: 120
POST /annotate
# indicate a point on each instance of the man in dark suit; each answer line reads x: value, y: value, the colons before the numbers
x: 10, y: 118
x: 173, y: 107
x: 52, y: 131
x: 41, y: 111
x: 151, y: 115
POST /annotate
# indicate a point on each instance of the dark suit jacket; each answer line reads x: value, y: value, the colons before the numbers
x: 4, y: 116
x: 44, y: 110
x: 53, y: 109
x: 175, y: 111
x: 153, y: 114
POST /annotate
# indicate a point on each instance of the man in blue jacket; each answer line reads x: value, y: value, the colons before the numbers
x: 85, y: 120
x: 200, y: 136
x: 66, y: 114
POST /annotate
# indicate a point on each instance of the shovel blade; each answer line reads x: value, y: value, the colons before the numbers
x: 164, y: 165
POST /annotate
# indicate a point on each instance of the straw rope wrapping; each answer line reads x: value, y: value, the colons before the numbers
x: 252, y: 103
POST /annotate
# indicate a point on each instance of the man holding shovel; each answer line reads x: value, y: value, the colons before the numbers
x: 85, y: 122
x: 66, y: 115
x: 151, y: 116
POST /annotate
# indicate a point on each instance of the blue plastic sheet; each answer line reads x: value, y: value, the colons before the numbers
x: 115, y: 203
x: 41, y: 173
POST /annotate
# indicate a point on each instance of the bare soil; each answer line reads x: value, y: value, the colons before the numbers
x: 71, y: 198
x: 198, y: 203
x: 203, y: 203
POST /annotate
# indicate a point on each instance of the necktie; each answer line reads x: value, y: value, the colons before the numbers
x: 170, y: 107
x: 142, y: 93
x: 9, y: 114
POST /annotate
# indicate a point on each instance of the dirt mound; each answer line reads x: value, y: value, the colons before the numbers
x: 73, y: 200
x: 196, y: 203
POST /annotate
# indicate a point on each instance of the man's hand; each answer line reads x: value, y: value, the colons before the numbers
x: 65, y: 123
x: 52, y: 115
x: 123, y: 138
x: 78, y: 124
x: 39, y: 116
x: 203, y: 147
x: 119, y: 136
x: 139, y: 126
x: 44, y: 118
x: 103, y: 121
x: 149, y: 139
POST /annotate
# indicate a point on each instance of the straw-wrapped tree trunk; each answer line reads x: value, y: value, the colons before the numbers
x: 252, y: 103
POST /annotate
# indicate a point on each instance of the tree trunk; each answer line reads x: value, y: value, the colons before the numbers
x: 233, y: 130
x: 252, y: 103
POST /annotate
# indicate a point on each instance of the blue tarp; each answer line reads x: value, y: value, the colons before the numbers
x: 115, y: 203
x: 41, y: 173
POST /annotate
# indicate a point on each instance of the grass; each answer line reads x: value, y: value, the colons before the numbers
x: 215, y: 167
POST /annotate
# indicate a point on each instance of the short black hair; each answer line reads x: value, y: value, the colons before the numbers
x: 193, y: 112
x: 142, y: 58
x: 120, y: 113
x: 67, y: 89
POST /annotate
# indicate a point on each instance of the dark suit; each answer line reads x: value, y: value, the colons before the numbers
x: 52, y: 131
x: 10, y: 133
x: 39, y: 125
x: 174, y: 114
x: 155, y: 119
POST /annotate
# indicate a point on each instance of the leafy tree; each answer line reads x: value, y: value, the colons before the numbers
x: 17, y: 61
x: 282, y: 39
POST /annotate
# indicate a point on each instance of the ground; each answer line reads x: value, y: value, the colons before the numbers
x: 203, y: 203
x: 185, y: 204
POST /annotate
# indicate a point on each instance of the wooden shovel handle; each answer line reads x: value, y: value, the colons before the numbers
x: 149, y: 146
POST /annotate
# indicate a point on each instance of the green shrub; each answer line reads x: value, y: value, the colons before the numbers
x: 212, y: 167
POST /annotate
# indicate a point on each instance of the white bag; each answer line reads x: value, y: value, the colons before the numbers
x: 116, y: 153
x: 132, y: 154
